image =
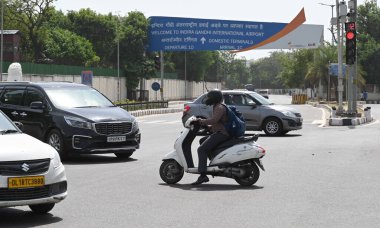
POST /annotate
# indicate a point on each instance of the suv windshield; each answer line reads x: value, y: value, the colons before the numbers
x: 77, y: 97
x: 260, y: 98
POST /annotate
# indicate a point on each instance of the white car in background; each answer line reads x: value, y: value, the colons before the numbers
x: 31, y: 172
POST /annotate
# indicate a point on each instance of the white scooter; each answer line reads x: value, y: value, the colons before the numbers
x: 237, y: 158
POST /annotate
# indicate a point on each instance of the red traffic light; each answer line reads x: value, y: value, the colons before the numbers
x: 350, y: 35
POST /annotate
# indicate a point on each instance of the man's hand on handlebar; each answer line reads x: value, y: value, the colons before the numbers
x: 196, y: 121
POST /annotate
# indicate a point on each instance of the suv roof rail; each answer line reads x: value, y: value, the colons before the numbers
x: 20, y: 82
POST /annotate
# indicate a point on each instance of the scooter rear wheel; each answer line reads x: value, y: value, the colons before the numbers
x: 171, y: 172
x: 253, y: 174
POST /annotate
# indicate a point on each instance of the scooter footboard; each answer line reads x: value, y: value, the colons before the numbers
x: 230, y: 172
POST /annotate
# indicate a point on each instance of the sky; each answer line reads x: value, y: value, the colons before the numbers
x: 280, y: 11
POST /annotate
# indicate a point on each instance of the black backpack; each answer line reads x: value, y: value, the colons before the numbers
x: 235, y: 125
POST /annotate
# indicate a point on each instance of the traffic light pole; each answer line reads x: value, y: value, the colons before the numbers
x: 351, y: 58
x: 340, y: 62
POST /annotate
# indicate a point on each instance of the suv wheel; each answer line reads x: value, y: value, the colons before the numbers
x: 55, y: 140
x: 272, y: 127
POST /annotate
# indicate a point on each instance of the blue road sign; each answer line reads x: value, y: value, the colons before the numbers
x: 156, y: 86
x: 86, y: 77
x: 333, y: 69
x: 191, y: 34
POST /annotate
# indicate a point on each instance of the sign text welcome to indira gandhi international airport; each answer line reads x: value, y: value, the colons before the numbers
x: 191, y: 34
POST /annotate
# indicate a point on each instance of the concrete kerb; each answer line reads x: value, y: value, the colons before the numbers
x: 174, y: 106
x: 155, y: 111
x: 333, y: 120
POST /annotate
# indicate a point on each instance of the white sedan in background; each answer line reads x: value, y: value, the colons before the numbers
x: 31, y: 172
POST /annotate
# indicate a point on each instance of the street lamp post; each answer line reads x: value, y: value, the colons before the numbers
x: 118, y: 69
x: 332, y: 16
x: 118, y: 57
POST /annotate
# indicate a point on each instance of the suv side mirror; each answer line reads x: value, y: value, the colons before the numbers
x: 37, y: 105
x: 19, y: 125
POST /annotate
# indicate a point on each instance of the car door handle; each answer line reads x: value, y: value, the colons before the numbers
x: 23, y: 114
x: 14, y: 113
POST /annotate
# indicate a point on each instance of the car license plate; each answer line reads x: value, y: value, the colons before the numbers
x: 26, y: 182
x: 116, y: 139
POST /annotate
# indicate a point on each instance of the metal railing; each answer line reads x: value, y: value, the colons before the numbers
x: 144, y: 105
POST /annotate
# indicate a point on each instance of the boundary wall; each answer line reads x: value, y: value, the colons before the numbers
x: 173, y: 89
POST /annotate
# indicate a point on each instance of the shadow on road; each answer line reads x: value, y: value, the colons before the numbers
x: 212, y: 187
x: 267, y: 136
x: 94, y: 159
x: 11, y: 217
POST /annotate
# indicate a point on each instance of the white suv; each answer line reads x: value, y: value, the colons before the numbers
x: 31, y: 172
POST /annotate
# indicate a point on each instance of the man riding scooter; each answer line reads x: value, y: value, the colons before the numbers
x: 219, y: 133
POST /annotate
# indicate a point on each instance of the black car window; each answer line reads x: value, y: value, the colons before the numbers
x: 238, y: 100
x: 12, y: 96
x: 249, y: 100
x: 227, y: 99
x: 32, y: 96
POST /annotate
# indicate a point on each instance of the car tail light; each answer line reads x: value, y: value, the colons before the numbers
x: 186, y: 108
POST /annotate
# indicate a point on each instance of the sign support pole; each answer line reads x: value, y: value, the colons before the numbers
x: 162, y: 74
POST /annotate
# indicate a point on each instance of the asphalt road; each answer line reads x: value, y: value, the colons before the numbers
x: 315, y: 177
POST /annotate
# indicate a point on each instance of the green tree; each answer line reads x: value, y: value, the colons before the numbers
x: 238, y: 75
x: 133, y: 43
x: 318, y: 68
x: 100, y: 30
x: 198, y: 64
x: 369, y: 40
x: 66, y: 47
x: 29, y: 17
x: 295, y: 67
x: 265, y: 72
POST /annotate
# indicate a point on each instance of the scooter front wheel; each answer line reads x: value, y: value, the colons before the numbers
x: 171, y: 172
x: 253, y: 174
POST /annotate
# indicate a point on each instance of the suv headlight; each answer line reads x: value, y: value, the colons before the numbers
x: 77, y: 122
x: 289, y: 114
x: 56, y: 160
x: 135, y: 125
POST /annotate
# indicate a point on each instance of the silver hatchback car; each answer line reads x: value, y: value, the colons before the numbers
x: 259, y: 113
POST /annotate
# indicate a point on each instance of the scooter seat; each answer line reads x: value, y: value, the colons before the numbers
x: 231, y: 142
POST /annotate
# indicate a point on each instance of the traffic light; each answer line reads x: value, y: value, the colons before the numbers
x: 350, y: 43
x: 157, y: 63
